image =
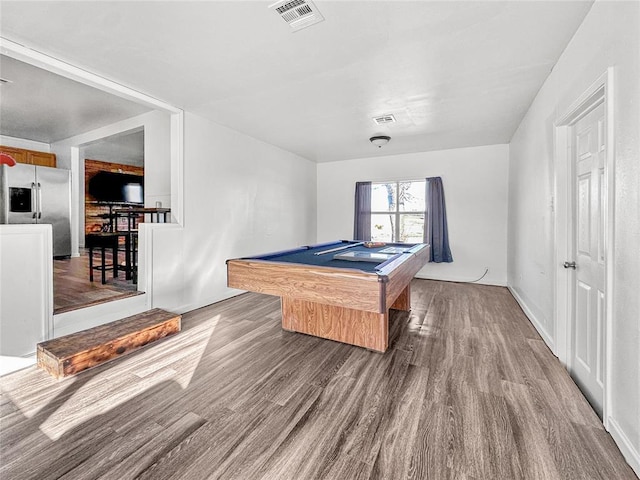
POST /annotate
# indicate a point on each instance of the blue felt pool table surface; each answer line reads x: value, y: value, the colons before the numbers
x: 306, y: 256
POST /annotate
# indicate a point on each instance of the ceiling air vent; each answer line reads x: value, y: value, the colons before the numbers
x: 384, y: 119
x: 298, y: 14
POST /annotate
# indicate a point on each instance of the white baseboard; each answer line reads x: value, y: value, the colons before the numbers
x: 548, y: 339
x: 460, y: 280
x: 188, y: 307
x: 10, y: 364
x: 631, y: 455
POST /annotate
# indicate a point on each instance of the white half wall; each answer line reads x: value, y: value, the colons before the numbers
x: 608, y: 37
x: 26, y: 265
x: 241, y: 197
x: 475, y: 186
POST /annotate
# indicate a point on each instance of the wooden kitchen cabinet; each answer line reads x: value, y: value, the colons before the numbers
x: 41, y: 158
x: 18, y: 154
x: 31, y: 157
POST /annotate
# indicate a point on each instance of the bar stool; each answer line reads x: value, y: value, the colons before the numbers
x: 129, y: 248
x: 103, y: 241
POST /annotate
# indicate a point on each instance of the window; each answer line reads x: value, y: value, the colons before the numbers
x: 398, y: 211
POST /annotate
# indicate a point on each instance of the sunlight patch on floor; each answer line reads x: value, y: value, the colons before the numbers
x: 174, y: 359
x: 13, y: 364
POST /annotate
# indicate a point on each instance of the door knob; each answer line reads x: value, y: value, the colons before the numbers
x: 570, y: 265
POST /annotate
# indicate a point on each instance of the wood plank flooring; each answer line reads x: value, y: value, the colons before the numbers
x: 72, y: 288
x: 467, y: 390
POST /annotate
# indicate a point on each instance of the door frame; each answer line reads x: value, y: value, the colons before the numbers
x: 601, y: 91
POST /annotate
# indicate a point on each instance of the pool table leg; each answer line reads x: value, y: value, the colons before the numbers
x: 403, y: 302
x: 364, y: 329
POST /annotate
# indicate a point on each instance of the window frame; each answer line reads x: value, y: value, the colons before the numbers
x: 398, y: 213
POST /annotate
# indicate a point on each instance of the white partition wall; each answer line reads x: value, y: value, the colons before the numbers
x: 26, y: 286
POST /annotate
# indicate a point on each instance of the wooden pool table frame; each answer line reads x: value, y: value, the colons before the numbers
x: 342, y: 304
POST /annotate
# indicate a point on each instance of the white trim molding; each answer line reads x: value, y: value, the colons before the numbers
x: 64, y: 69
x: 537, y: 323
x: 630, y: 454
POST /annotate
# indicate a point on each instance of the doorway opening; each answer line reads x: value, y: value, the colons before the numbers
x: 109, y: 169
x: 165, y: 178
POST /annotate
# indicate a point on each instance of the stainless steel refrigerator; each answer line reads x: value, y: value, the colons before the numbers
x: 34, y: 194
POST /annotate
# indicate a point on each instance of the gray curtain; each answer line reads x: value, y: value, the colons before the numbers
x: 435, y: 232
x: 362, y: 217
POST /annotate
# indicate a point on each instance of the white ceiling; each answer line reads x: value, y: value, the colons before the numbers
x: 126, y: 148
x: 454, y: 74
x: 45, y: 107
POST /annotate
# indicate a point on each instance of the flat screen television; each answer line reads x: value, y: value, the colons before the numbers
x: 113, y: 187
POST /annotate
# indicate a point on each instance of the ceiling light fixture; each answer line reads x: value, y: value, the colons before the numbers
x: 380, y: 140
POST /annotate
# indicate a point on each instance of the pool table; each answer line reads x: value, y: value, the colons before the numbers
x: 341, y: 300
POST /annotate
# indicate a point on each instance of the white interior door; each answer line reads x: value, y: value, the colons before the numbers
x: 587, y: 365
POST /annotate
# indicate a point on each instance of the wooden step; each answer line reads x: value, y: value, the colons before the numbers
x: 71, y: 354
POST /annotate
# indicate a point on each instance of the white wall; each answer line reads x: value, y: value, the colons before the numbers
x: 24, y: 143
x: 157, y: 158
x: 88, y: 155
x: 475, y: 186
x: 126, y: 148
x: 241, y: 197
x: 609, y: 36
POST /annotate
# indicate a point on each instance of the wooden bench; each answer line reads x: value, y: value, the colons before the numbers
x: 71, y: 354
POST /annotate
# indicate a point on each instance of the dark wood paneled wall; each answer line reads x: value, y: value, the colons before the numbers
x: 91, y: 209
